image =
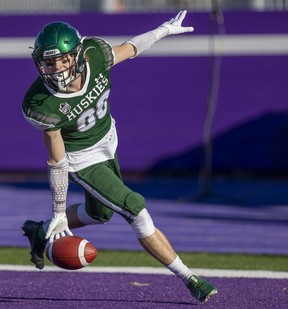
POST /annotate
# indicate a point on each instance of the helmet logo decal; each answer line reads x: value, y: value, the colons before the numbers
x: 65, y: 108
x: 51, y: 52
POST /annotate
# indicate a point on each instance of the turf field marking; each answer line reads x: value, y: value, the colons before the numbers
x: 227, y: 273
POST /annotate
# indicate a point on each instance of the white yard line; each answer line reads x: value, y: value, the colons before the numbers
x: 158, y: 271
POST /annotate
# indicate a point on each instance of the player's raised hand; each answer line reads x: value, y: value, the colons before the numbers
x: 174, y: 25
x: 58, y: 227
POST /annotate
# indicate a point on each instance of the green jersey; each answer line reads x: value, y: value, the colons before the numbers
x: 87, y: 128
x: 84, y: 116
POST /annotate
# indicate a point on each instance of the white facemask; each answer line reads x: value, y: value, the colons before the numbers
x: 63, y: 79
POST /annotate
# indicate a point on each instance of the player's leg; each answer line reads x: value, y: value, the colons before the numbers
x: 106, y: 187
x: 159, y: 247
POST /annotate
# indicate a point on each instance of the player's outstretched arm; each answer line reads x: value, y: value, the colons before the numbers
x: 143, y: 42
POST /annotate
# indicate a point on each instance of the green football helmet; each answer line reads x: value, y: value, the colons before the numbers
x: 58, y: 39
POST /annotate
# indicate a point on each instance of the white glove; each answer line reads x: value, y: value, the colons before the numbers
x: 146, y: 40
x: 58, y: 227
x: 174, y: 24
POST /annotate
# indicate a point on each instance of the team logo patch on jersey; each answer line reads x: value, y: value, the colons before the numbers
x: 65, y: 108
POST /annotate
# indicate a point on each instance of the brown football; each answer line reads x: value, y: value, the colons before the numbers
x: 71, y: 252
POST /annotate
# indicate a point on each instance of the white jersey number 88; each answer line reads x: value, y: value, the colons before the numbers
x: 89, y: 118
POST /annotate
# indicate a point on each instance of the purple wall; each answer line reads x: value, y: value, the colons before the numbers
x: 159, y: 102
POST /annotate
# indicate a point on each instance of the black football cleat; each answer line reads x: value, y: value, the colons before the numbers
x: 38, y: 245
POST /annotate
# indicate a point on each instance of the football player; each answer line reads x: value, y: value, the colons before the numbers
x: 69, y: 103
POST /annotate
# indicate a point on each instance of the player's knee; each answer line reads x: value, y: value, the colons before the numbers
x: 143, y: 225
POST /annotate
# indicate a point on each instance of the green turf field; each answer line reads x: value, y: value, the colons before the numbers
x: 20, y: 256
